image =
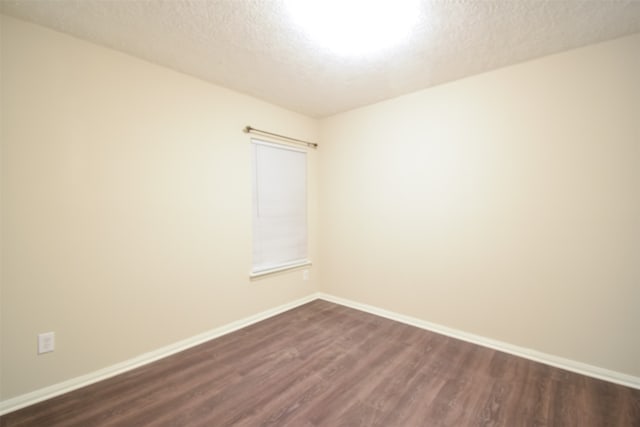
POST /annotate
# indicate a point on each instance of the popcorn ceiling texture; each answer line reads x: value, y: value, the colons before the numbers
x: 251, y: 46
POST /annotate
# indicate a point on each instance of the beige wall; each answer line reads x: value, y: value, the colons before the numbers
x: 126, y: 206
x: 505, y: 205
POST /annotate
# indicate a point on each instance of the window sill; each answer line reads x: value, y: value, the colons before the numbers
x: 267, y: 272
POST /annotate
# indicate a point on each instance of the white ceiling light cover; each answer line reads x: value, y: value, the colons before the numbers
x: 355, y: 27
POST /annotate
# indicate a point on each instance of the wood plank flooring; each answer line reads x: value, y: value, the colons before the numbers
x: 322, y: 364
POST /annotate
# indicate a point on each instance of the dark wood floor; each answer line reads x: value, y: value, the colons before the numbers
x: 327, y: 365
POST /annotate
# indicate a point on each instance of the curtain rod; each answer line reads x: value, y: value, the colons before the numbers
x: 249, y: 129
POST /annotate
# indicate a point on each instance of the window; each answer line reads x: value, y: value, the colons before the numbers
x: 279, y: 207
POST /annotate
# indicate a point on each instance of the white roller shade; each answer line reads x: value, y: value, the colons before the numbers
x: 279, y: 206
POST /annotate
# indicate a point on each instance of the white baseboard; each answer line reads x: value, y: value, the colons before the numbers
x: 54, y: 390
x: 39, y: 395
x: 537, y: 356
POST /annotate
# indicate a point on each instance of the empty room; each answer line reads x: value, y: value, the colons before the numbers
x: 320, y: 213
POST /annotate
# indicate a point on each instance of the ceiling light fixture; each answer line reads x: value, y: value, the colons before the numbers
x: 355, y: 27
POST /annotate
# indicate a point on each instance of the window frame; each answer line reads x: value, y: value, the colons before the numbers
x: 262, y: 269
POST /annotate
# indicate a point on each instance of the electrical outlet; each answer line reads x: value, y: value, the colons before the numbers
x: 46, y: 342
x: 305, y: 274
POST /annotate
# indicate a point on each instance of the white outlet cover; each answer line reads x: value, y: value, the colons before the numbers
x: 46, y: 342
x: 305, y: 274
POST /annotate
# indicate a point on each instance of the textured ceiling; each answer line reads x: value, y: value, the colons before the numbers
x: 252, y: 47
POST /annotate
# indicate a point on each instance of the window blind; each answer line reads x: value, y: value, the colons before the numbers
x: 279, y: 206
